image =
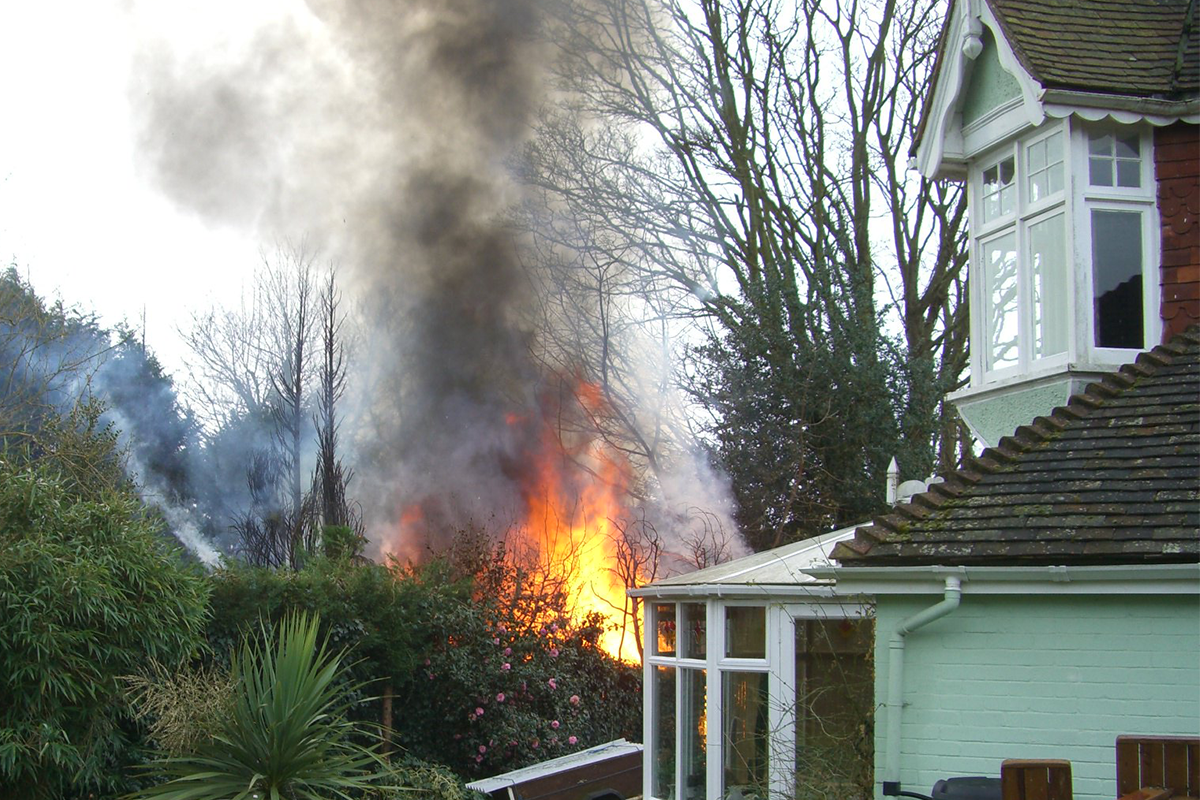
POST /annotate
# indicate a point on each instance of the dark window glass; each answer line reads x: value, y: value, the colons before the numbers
x: 746, y: 632
x: 1117, y: 278
x: 662, y: 764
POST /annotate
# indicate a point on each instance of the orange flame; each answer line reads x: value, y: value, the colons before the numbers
x: 573, y: 491
x: 575, y: 503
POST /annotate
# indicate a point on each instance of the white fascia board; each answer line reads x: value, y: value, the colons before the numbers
x: 1050, y: 580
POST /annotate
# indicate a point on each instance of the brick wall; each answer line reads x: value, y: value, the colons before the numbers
x: 1029, y: 677
x: 1177, y: 169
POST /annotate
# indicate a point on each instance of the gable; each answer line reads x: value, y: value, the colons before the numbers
x: 1134, y: 62
x: 991, y: 85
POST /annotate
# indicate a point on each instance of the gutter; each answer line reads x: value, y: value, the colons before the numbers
x: 895, y: 694
x: 1153, y: 106
x: 1173, y: 578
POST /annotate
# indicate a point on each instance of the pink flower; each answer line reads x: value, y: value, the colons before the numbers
x: 552, y: 683
x: 501, y: 627
x: 496, y: 640
x: 574, y: 699
x: 427, y: 662
x: 479, y: 712
x: 482, y: 749
x: 535, y: 743
x: 478, y: 759
x: 571, y: 740
x: 500, y: 697
x: 471, y: 717
x: 554, y: 652
x: 505, y: 667
x: 554, y: 627
x: 554, y: 724
x: 508, y: 651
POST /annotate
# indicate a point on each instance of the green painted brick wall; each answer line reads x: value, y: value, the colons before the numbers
x: 1029, y: 677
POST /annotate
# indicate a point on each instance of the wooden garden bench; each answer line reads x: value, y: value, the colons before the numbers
x: 1035, y: 779
x: 1158, y: 768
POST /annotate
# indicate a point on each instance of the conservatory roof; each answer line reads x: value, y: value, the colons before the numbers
x: 777, y: 571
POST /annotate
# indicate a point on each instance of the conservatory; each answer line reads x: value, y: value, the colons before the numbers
x: 758, y: 681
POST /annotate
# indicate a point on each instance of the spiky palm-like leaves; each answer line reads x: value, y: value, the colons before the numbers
x: 286, y: 737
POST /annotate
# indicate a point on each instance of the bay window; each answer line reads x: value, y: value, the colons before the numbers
x: 1063, y: 243
x: 1020, y: 242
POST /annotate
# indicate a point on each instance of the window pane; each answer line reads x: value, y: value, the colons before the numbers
x: 1044, y: 162
x: 664, y: 629
x: 1037, y: 156
x: 1000, y: 277
x: 1117, y: 278
x: 745, y: 632
x: 834, y: 707
x: 695, y: 734
x: 1054, y: 159
x: 1127, y: 146
x: 1129, y: 173
x: 1048, y: 274
x: 999, y: 193
x: 1100, y: 144
x: 1100, y: 171
x: 662, y: 779
x: 693, y: 630
x: 746, y: 723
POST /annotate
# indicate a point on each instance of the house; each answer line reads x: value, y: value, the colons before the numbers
x: 1046, y: 598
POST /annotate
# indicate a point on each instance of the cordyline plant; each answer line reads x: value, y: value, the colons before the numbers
x: 286, y: 736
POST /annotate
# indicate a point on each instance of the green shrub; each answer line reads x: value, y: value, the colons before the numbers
x: 438, y: 636
x: 286, y: 734
x: 88, y: 592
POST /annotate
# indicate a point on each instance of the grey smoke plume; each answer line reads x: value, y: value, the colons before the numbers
x: 382, y: 130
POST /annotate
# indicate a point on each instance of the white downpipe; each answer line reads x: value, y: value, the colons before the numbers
x: 895, y: 692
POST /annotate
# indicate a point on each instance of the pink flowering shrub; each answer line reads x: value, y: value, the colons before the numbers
x: 513, y: 686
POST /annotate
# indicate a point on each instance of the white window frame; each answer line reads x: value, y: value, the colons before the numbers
x: 779, y: 664
x: 1076, y: 201
x: 1143, y: 199
x: 1025, y: 213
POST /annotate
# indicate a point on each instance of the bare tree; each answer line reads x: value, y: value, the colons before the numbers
x: 236, y: 356
x: 332, y: 509
x: 293, y: 324
x: 744, y: 162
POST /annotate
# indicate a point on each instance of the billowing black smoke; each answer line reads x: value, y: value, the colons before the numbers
x: 383, y: 130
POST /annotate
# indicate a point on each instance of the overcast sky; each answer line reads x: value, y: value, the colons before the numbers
x: 76, y: 215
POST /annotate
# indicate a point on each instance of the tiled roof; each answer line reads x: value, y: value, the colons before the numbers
x: 1144, y: 48
x: 1111, y: 478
